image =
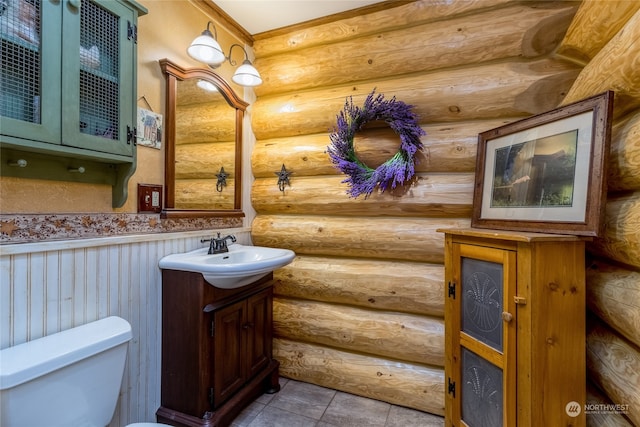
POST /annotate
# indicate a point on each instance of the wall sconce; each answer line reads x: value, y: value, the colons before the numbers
x: 20, y: 163
x: 205, y: 48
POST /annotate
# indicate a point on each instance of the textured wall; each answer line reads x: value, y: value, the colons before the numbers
x: 360, y: 309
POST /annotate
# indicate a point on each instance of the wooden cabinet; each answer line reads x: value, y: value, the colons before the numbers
x: 216, y: 349
x: 68, y: 84
x: 515, y: 329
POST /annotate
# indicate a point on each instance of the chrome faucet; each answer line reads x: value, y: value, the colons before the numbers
x: 219, y: 245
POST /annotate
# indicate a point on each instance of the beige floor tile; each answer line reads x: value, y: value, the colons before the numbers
x: 405, y: 417
x: 304, y: 399
x: 347, y: 410
x: 275, y: 417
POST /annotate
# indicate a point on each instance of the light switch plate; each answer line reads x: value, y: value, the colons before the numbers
x: 149, y: 198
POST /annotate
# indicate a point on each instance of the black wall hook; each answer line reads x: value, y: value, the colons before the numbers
x: 222, y: 180
x: 283, y: 178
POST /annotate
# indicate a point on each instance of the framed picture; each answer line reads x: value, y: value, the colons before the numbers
x: 149, y: 128
x: 546, y: 173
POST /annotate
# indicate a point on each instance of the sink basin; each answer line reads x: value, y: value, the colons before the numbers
x: 238, y: 267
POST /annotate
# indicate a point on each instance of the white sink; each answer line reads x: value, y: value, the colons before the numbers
x: 238, y: 267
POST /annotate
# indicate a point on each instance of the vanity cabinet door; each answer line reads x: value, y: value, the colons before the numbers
x: 229, y: 358
x: 259, y: 331
x: 242, y: 342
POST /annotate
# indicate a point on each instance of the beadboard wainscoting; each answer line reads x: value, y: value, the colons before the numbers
x: 48, y: 287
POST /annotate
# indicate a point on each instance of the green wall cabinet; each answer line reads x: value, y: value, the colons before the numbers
x: 68, y: 91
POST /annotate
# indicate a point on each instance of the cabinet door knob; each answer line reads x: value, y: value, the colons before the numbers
x: 506, y: 316
x: 75, y: 4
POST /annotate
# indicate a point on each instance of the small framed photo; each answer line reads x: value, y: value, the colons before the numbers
x: 149, y: 130
x: 546, y: 173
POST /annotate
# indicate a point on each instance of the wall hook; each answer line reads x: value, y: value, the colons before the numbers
x: 283, y: 178
x: 222, y: 180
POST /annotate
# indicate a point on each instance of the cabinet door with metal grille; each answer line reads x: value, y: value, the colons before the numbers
x: 30, y: 62
x: 98, y: 74
x: 481, y: 336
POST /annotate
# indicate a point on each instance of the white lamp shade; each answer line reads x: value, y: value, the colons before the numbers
x: 205, y: 48
x: 208, y: 86
x: 247, y: 75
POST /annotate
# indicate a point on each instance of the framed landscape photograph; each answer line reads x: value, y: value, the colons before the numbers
x: 546, y: 173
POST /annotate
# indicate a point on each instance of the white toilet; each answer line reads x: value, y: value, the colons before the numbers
x: 71, y: 378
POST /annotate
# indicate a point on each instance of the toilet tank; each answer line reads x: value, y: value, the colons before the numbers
x: 71, y: 378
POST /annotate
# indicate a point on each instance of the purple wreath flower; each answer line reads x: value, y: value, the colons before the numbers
x: 400, y: 168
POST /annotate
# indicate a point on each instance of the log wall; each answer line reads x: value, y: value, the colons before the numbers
x: 360, y: 308
x: 606, y: 36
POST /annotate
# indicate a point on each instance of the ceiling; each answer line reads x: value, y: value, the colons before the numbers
x: 257, y: 16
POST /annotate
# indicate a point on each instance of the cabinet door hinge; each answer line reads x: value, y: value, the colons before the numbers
x: 451, y: 387
x: 211, y: 396
x: 131, y: 135
x: 452, y: 290
x: 132, y: 32
x: 212, y: 330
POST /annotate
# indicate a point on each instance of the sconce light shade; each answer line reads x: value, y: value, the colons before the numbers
x: 206, y: 85
x: 205, y: 48
x: 247, y: 75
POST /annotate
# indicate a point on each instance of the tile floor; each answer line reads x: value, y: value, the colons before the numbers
x: 300, y: 404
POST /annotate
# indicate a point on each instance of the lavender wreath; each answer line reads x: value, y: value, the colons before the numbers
x: 395, y: 171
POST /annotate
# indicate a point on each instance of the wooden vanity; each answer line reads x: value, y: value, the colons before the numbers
x: 216, y: 349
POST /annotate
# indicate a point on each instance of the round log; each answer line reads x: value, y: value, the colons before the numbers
x: 448, y: 147
x: 621, y: 239
x: 411, y: 385
x: 614, y: 366
x: 624, y: 160
x: 514, y: 31
x: 406, y: 239
x: 410, y: 287
x: 515, y: 89
x: 202, y: 194
x: 613, y: 293
x: 205, y: 123
x: 205, y: 160
x: 435, y: 195
x: 407, y: 337
x: 602, y: 418
x: 616, y: 67
x: 304, y: 155
x: 593, y: 25
x: 275, y: 42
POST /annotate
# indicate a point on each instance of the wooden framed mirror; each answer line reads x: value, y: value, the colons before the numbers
x: 203, y: 152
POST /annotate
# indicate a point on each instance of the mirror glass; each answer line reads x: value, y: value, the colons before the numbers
x: 203, y: 164
x: 205, y: 147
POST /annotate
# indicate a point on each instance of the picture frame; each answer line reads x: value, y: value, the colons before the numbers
x: 546, y: 173
x: 149, y: 129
